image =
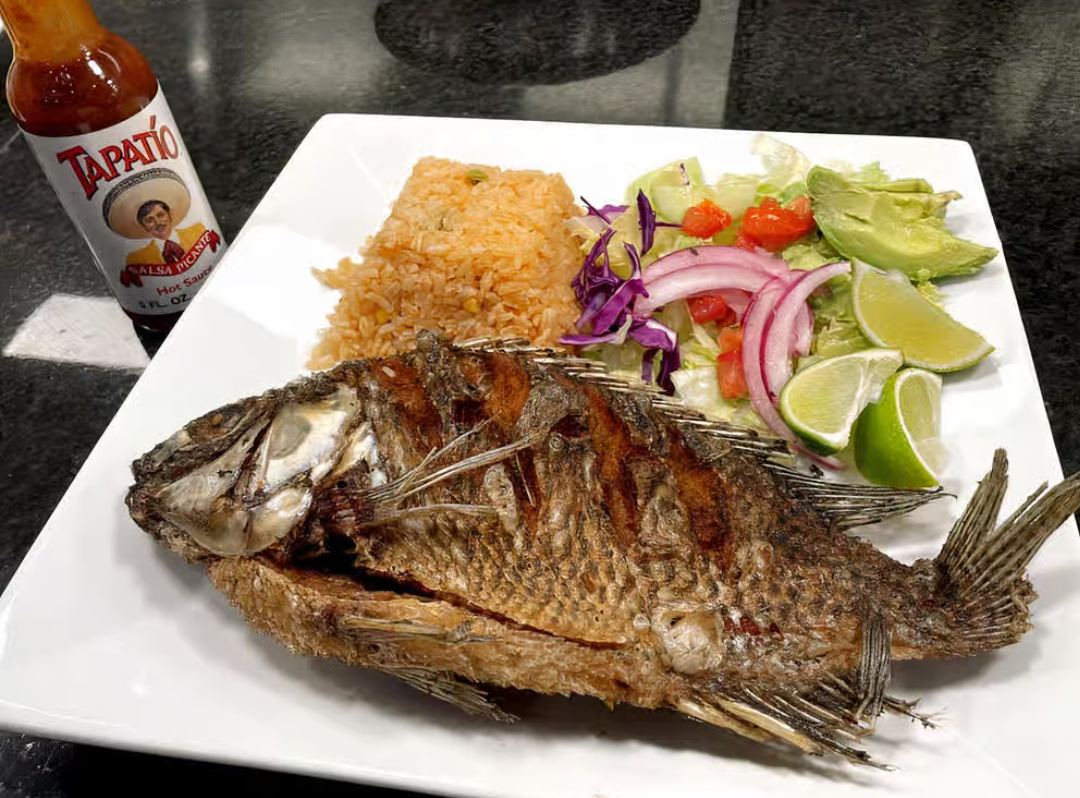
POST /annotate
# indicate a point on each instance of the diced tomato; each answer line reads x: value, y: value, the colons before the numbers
x: 774, y: 227
x: 729, y: 373
x: 800, y: 206
x: 710, y: 307
x: 705, y: 219
x: 744, y: 242
x: 730, y: 339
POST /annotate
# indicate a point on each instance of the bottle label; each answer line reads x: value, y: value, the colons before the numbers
x: 134, y: 195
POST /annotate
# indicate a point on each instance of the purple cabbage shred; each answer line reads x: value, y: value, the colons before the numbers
x: 647, y: 221
x: 606, y: 212
x: 606, y: 298
x: 658, y: 337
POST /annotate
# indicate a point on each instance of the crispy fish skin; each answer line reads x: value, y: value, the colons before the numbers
x: 497, y: 515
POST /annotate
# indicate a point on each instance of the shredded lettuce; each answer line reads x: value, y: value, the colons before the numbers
x: 840, y: 337
x: 868, y: 173
x: 791, y: 191
x: 676, y: 316
x: 671, y: 239
x: 806, y: 362
x: 811, y: 253
x: 627, y: 231
x: 736, y: 193
x: 622, y: 361
x: 697, y: 386
x: 675, y: 187
x: 871, y: 173
x: 836, y: 330
x: 685, y: 171
x: 783, y: 163
x: 700, y: 348
x: 672, y: 188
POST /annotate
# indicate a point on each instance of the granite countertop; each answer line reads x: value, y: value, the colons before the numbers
x: 247, y: 80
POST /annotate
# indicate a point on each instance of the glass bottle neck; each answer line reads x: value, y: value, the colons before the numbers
x: 49, y: 30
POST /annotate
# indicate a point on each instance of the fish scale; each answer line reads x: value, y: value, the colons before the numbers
x: 495, y: 515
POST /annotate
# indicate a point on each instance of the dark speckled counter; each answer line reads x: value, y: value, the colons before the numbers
x: 246, y: 81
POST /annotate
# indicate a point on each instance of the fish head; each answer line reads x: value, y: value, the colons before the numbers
x: 240, y: 479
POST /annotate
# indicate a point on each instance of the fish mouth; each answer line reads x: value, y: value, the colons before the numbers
x: 260, y: 488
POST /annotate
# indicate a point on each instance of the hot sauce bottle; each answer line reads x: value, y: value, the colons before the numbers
x: 98, y: 123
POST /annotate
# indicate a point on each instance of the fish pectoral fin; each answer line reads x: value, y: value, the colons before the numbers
x: 827, y: 718
x: 424, y: 476
x: 714, y: 714
x: 812, y: 725
x: 847, y: 506
x: 376, y: 630
x: 465, y: 696
x: 860, y: 696
x: 875, y: 666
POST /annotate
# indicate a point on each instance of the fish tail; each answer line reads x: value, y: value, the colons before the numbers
x: 983, y: 563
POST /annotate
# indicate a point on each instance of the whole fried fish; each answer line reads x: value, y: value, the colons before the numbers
x: 493, y: 514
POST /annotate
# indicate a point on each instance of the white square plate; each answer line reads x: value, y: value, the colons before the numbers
x: 107, y: 638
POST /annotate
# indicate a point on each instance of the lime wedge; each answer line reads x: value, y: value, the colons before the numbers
x: 897, y: 438
x: 892, y: 313
x: 821, y: 403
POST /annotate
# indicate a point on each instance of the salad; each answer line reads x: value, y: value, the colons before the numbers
x: 796, y: 301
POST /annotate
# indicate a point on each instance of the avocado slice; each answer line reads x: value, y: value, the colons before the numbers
x: 895, y: 226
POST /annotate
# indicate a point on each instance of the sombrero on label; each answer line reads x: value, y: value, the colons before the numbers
x: 127, y: 196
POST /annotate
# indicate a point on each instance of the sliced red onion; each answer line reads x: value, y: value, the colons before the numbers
x: 647, y: 222
x: 594, y: 224
x: 714, y: 255
x: 704, y: 279
x: 754, y: 323
x: 804, y: 332
x: 780, y: 334
x: 737, y: 301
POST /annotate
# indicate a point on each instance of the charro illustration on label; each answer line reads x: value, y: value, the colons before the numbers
x: 151, y: 207
x: 137, y: 201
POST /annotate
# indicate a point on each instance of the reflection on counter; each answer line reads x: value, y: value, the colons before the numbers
x: 90, y: 331
x: 521, y: 41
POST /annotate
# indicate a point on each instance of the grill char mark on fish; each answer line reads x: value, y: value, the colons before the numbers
x: 491, y: 514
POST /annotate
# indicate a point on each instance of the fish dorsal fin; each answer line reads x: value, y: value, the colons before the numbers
x: 845, y: 505
x: 674, y: 410
x: 830, y: 717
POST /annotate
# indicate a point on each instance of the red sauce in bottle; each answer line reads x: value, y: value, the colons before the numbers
x: 74, y: 85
